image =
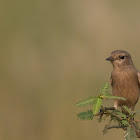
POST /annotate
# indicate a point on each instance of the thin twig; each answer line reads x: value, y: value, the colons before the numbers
x: 109, y: 108
x: 115, y: 126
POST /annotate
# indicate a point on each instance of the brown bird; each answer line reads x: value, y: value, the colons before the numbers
x: 125, y: 79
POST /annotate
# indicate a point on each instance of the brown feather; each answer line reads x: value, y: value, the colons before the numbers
x: 125, y: 79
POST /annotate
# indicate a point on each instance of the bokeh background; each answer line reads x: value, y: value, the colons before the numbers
x: 52, y: 55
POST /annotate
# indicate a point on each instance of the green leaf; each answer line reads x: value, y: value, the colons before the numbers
x: 130, y: 134
x: 97, y: 105
x: 125, y: 123
x: 106, y: 127
x: 86, y: 102
x: 127, y: 109
x: 110, y: 96
x: 86, y: 115
x: 100, y: 119
x: 105, y: 89
x: 120, y: 113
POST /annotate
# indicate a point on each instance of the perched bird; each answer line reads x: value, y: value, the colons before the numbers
x: 125, y: 79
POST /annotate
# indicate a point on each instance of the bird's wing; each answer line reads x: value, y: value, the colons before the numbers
x: 111, y: 81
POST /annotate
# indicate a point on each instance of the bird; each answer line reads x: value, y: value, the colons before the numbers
x: 125, y: 79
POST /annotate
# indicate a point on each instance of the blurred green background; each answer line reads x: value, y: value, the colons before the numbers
x: 52, y: 55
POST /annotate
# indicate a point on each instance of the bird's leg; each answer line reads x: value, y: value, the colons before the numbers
x: 132, y: 108
x: 115, y: 104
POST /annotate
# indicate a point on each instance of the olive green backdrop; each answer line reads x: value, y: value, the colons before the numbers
x: 52, y: 54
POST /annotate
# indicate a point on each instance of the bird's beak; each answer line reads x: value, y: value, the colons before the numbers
x: 110, y: 59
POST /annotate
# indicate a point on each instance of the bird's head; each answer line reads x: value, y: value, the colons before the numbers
x: 120, y: 58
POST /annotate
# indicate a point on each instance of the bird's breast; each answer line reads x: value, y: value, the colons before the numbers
x: 125, y: 84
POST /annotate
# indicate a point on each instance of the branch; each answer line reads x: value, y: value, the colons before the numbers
x: 109, y: 108
x: 136, y: 130
x: 105, y: 111
x: 115, y: 126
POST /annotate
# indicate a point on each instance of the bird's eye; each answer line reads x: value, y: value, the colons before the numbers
x: 122, y: 57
